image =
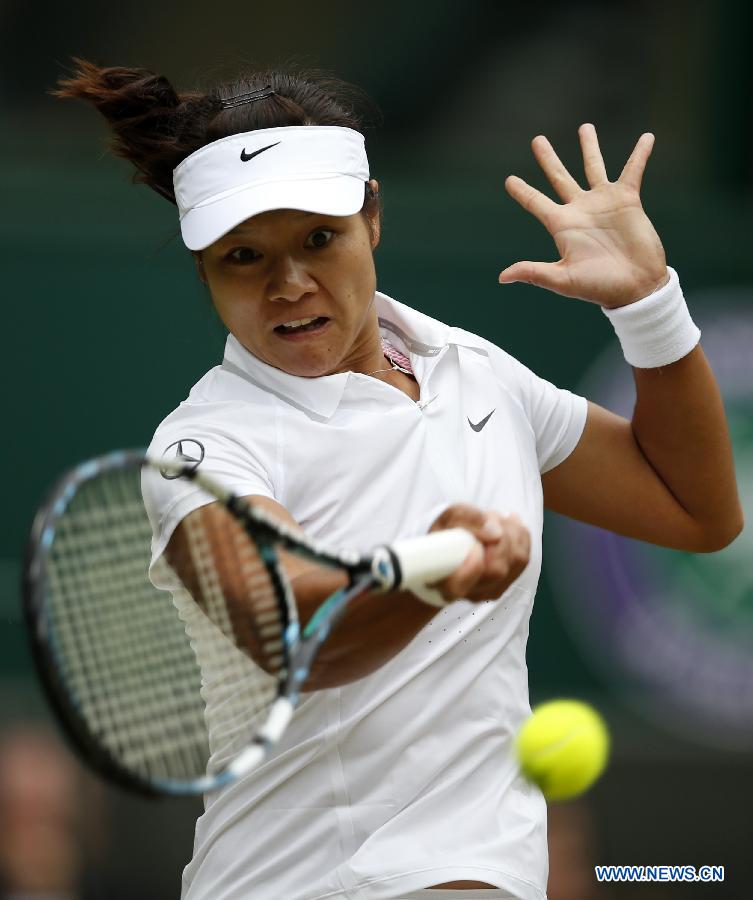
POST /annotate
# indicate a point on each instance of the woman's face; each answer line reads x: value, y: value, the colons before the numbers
x: 286, y: 265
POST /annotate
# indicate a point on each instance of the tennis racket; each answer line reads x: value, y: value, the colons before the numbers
x: 179, y: 674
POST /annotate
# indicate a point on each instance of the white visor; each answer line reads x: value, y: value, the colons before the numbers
x: 316, y: 168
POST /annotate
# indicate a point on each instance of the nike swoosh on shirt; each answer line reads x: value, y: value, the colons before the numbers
x: 481, y: 424
x: 246, y: 156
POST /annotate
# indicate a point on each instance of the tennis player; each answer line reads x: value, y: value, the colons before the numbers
x: 362, y: 420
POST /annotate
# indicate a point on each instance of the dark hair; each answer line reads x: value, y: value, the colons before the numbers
x: 155, y: 128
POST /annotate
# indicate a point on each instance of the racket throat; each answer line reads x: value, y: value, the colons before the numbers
x: 279, y: 718
x: 386, y: 569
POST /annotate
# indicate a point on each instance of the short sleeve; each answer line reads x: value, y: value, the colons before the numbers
x: 556, y: 415
x: 220, y: 453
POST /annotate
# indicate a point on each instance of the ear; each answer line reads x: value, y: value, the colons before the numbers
x: 199, y: 266
x: 375, y: 221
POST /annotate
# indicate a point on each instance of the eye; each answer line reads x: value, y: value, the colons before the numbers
x: 319, y: 244
x: 241, y: 255
x: 319, y: 238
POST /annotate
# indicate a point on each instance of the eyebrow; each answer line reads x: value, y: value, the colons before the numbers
x: 239, y: 229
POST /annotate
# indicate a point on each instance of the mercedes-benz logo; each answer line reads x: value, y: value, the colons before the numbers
x: 187, y: 451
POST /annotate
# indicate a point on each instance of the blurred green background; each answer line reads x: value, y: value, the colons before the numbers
x: 107, y: 327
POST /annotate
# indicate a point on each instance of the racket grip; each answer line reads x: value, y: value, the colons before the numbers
x: 429, y: 558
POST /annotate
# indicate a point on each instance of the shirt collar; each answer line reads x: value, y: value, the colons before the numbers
x: 419, y: 336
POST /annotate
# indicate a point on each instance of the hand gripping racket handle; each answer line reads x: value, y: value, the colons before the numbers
x: 428, y: 558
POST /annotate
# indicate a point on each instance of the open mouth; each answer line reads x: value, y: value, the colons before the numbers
x: 299, y: 326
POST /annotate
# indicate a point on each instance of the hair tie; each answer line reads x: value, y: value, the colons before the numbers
x: 249, y: 97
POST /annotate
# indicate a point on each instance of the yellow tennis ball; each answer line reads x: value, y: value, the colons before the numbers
x: 563, y: 748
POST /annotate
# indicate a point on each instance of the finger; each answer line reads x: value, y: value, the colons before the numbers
x: 470, y: 570
x: 593, y: 162
x: 504, y: 562
x: 465, y: 576
x: 485, y: 525
x: 492, y: 529
x: 632, y: 174
x: 460, y: 515
x: 529, y: 198
x: 504, y: 553
x: 552, y: 276
x: 559, y: 178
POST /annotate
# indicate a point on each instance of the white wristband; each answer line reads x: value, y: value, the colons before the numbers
x: 657, y: 330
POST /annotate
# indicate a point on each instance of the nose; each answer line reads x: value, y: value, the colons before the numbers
x: 290, y: 280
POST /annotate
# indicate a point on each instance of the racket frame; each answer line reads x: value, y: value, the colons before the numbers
x: 378, y: 572
x: 36, y: 617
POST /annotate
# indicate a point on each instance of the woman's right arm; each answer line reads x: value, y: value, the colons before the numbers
x: 376, y: 626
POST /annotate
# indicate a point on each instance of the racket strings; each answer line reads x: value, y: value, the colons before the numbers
x: 172, y: 683
x: 230, y: 584
x: 114, y: 639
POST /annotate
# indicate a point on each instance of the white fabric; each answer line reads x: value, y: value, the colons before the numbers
x: 657, y: 330
x: 406, y: 778
x: 317, y: 168
x: 459, y: 894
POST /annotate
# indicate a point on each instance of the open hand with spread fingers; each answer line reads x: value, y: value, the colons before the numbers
x: 610, y: 253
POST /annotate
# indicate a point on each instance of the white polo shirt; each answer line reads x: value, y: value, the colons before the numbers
x: 406, y: 778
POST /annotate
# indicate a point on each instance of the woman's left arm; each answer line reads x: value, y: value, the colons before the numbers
x: 668, y: 476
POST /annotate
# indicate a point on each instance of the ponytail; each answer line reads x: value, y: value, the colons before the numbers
x: 146, y: 116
